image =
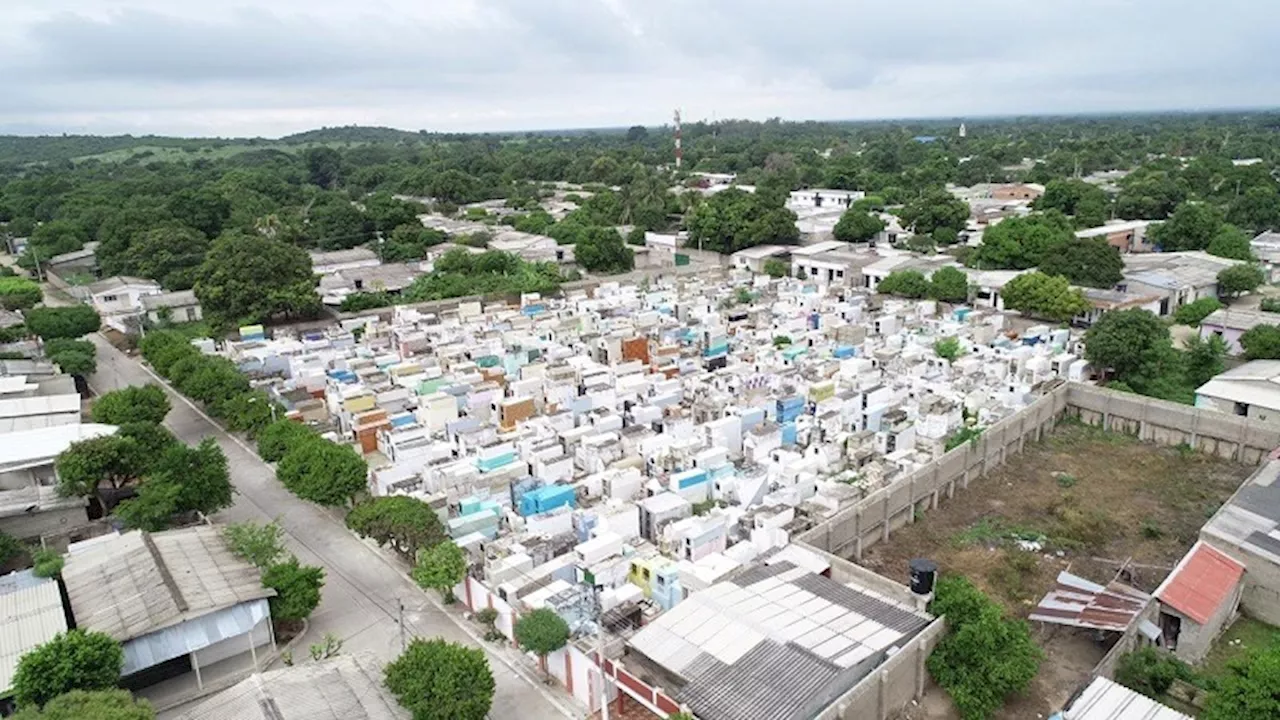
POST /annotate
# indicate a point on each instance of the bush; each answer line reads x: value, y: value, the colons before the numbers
x: 280, y: 437
x: 90, y: 705
x: 1270, y: 304
x: 984, y: 658
x: 1151, y: 671
x: 775, y: 268
x: 297, y: 589
x: 19, y: 293
x: 948, y: 349
x: 904, y: 283
x: 323, y: 472
x: 438, y: 680
x: 1194, y: 312
x: 74, y: 660
x: 62, y: 322
x: 132, y: 404
x: 259, y: 544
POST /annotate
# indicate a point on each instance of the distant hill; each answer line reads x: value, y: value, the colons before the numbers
x: 355, y: 134
x: 20, y: 149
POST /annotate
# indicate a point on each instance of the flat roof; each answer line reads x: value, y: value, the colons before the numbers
x: 31, y: 447
x: 760, y: 252
x: 1250, y: 520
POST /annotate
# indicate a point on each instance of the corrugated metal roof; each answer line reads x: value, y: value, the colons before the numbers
x: 1106, y: 700
x: 773, y: 641
x: 133, y: 584
x: 191, y: 635
x: 23, y: 449
x: 344, y: 688
x: 1201, y: 582
x: 29, y: 617
x: 1076, y: 602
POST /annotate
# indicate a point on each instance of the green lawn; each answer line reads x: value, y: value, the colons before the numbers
x: 1244, y: 635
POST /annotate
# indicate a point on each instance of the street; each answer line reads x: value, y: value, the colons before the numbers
x: 363, y: 588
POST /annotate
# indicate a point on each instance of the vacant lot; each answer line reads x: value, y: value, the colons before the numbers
x: 1082, y: 500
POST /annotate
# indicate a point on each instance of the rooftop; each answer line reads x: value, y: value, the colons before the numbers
x: 177, y: 298
x: 40, y: 446
x: 1250, y: 520
x: 120, y: 282
x: 29, y: 617
x: 776, y: 642
x: 348, y: 687
x: 133, y: 584
x: 1203, y: 580
x: 1240, y: 319
x: 1254, y: 383
x: 338, y: 257
x: 1107, y: 700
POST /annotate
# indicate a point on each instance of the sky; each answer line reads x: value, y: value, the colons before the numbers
x: 239, y: 68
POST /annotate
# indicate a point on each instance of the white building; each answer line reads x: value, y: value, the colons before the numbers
x: 181, y: 306
x: 119, y: 299
x: 1251, y: 390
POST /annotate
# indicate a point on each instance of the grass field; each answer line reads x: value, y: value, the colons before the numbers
x: 213, y: 151
x: 1082, y: 500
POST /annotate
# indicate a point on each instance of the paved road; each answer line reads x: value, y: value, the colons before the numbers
x: 363, y: 587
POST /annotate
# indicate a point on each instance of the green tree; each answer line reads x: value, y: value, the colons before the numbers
x: 297, y: 589
x: 261, y: 545
x: 603, y: 250
x: 1191, y: 227
x: 10, y: 548
x: 1257, y: 210
x: 388, y: 212
x: 409, y: 242
x: 775, y: 268
x: 85, y: 465
x: 1092, y: 262
x: 249, y: 412
x: 324, y: 166
x: 169, y: 255
x: 935, y: 209
x: 62, y: 322
x: 1197, y: 310
x: 201, y: 473
x: 1203, y: 358
x: 733, y: 219
x: 905, y: 283
x: 257, y: 278
x: 152, y: 508
x: 147, y: 403
x: 323, y: 472
x: 74, y: 660
x: 949, y: 285
x: 438, y: 680
x: 1261, y: 342
x: 984, y: 657
x: 19, y: 293
x: 204, y: 209
x: 542, y: 632
x: 406, y: 523
x: 90, y: 705
x: 440, y: 567
x: 46, y: 563
x: 948, y: 348
x: 1240, y: 279
x: 1085, y: 203
x: 280, y: 437
x: 1018, y: 243
x: 1045, y: 296
x: 856, y: 226
x: 1132, y: 344
x: 75, y: 362
x: 1231, y: 242
x: 1250, y: 690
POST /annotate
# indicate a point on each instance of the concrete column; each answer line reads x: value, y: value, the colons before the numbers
x: 857, y: 548
x: 921, y: 670
x: 933, y: 500
x: 911, y: 495
x: 882, y: 689
x: 951, y: 489
x: 195, y: 665
x: 885, y: 530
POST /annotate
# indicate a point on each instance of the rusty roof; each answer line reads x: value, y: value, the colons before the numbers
x: 1077, y: 602
x: 1204, y: 578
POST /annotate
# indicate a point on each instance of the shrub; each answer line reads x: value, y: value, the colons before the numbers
x: 438, y: 680
x: 1151, y: 671
x: 74, y: 660
x: 280, y: 437
x: 297, y: 589
x: 1194, y: 312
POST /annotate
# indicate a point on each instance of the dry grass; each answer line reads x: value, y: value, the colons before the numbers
x: 1090, y: 499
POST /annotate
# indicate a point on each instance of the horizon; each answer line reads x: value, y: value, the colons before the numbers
x: 924, y: 120
x: 225, y: 69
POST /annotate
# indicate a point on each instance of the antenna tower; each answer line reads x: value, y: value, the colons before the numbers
x: 679, y: 150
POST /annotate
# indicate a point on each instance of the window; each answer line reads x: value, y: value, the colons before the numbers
x: 110, y: 298
x: 1242, y: 409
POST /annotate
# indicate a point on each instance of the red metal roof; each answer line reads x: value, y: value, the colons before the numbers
x: 1076, y: 602
x: 1201, y: 582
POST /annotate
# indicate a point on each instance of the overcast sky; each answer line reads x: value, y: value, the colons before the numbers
x: 233, y: 67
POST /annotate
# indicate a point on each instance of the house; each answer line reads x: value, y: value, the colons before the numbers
x: 31, y: 614
x: 30, y: 506
x: 1105, y: 301
x: 176, y: 601
x: 1266, y: 247
x: 119, y: 299
x: 391, y: 278
x: 832, y: 263
x: 324, y: 263
x: 348, y: 687
x: 773, y: 641
x: 873, y: 273
x: 1246, y: 528
x: 181, y: 306
x: 38, y: 403
x: 823, y: 198
x: 1199, y: 600
x: 1177, y: 278
x: 1126, y: 236
x: 1230, y: 324
x: 1017, y: 191
x: 84, y: 260
x: 754, y: 258
x: 1251, y: 390
x: 989, y: 286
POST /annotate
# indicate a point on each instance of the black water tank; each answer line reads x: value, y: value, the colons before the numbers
x: 923, y: 573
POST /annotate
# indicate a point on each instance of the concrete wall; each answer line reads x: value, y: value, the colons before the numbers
x: 40, y: 524
x: 1260, y: 594
x: 891, y: 686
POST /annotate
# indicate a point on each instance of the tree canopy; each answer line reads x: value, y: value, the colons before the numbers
x: 732, y: 220
x: 438, y: 680
x: 1045, y: 296
x: 405, y: 523
x: 323, y: 472
x: 252, y: 277
x: 90, y: 705
x: 934, y: 210
x: 297, y: 589
x: 1129, y: 343
x: 72, y: 321
x: 1018, y: 243
x: 440, y: 567
x: 280, y: 437
x: 73, y: 660
x: 1261, y: 342
x: 147, y: 403
x: 1091, y: 262
x: 1240, y: 279
x: 906, y: 283
x: 1250, y: 690
x: 857, y: 226
x: 949, y: 285
x: 603, y: 250
x: 260, y: 544
x: 18, y: 293
x: 541, y: 632
x: 1086, y: 204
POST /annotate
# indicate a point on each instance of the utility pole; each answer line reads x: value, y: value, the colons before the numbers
x: 402, y: 638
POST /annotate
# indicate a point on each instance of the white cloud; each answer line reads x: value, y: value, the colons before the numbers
x: 227, y: 67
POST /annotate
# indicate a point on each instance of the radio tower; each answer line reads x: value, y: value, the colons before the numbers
x: 679, y: 150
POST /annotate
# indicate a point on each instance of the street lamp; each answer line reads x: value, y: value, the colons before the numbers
x: 271, y: 404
